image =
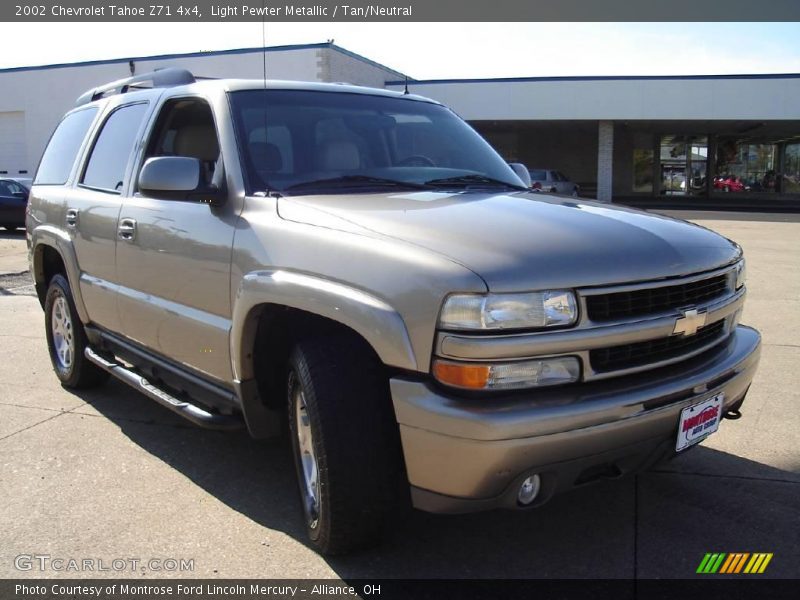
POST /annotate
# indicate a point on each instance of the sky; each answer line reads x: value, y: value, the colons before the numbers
x: 444, y: 50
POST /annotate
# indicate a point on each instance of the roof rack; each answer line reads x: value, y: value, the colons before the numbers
x: 168, y: 77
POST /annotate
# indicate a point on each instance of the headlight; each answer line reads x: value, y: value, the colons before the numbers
x: 508, y: 376
x: 741, y: 274
x: 509, y: 311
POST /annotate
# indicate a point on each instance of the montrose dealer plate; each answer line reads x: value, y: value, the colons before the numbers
x: 699, y: 421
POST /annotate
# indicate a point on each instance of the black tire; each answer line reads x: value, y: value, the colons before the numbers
x: 77, y: 372
x: 355, y: 439
x: 11, y: 228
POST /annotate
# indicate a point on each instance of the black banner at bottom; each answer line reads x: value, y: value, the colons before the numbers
x: 391, y: 589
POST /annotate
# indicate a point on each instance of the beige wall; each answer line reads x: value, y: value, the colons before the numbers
x: 616, y: 99
x: 44, y: 95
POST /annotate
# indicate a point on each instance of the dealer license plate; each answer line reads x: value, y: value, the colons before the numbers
x: 699, y: 421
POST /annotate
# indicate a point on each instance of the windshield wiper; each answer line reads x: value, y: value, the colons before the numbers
x: 476, y: 180
x: 355, y: 180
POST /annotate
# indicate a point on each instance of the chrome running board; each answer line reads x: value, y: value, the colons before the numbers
x: 193, y: 413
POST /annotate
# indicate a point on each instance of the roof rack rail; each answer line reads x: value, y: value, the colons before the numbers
x: 159, y: 78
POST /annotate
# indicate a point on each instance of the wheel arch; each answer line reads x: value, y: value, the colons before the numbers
x: 274, y: 308
x: 52, y: 252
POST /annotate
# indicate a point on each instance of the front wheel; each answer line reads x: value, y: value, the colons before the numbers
x: 345, y: 441
x: 66, y: 338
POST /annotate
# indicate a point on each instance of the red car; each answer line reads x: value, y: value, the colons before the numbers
x: 729, y: 183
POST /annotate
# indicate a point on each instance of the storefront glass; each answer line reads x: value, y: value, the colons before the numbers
x: 746, y: 167
x: 791, y: 169
x: 643, y: 171
x: 684, y: 163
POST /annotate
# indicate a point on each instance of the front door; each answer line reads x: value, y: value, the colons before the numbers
x: 173, y: 256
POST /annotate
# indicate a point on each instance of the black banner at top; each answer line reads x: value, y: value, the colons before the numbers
x: 399, y: 10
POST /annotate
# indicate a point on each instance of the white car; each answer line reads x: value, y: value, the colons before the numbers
x: 555, y: 182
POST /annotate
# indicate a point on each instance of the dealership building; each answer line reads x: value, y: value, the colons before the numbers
x: 717, y: 140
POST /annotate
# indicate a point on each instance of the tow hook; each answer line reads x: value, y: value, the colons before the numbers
x: 732, y: 414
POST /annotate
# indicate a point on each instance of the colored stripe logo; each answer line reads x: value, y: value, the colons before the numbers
x: 734, y: 563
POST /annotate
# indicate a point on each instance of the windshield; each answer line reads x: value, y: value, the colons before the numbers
x: 303, y: 142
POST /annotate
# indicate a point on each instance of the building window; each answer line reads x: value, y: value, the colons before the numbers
x: 684, y: 162
x: 791, y: 171
x: 745, y: 166
x: 643, y: 170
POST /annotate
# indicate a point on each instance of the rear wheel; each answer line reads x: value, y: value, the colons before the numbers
x: 345, y: 441
x: 10, y: 227
x: 66, y: 338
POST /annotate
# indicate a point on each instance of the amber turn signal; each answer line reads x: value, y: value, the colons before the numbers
x: 474, y: 377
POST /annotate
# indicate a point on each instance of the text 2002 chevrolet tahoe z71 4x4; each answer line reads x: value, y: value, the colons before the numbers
x: 363, y: 263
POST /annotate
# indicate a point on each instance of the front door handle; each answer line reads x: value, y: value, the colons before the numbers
x: 126, y: 230
x: 71, y: 218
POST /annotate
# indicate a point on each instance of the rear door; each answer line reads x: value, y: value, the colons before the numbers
x: 174, y: 258
x: 92, y: 206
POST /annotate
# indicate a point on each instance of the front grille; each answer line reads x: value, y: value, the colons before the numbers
x: 638, y: 354
x: 621, y: 305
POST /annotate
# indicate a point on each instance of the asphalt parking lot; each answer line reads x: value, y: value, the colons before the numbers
x: 109, y: 474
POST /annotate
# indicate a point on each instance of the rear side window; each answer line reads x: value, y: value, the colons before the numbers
x: 60, y: 154
x: 105, y: 169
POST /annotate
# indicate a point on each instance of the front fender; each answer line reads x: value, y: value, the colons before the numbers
x: 372, y: 318
x: 60, y: 241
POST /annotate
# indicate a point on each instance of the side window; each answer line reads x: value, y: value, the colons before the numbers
x: 185, y: 127
x: 14, y: 187
x: 105, y: 169
x: 62, y: 150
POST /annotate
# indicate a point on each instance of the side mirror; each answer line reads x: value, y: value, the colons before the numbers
x: 522, y: 172
x: 178, y: 178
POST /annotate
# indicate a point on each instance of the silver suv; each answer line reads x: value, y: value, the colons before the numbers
x: 359, y: 268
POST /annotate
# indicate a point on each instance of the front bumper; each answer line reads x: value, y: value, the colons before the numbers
x: 464, y: 455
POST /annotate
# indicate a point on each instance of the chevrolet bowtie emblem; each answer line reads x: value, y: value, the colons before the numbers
x: 690, y: 322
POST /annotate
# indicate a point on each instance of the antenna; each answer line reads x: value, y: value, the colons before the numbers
x: 267, y: 192
x: 406, y: 90
x: 264, y: 45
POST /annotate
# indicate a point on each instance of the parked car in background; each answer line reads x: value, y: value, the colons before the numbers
x: 13, y: 202
x: 729, y: 183
x: 555, y: 182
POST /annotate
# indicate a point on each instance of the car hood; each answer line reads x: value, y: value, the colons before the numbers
x: 521, y: 241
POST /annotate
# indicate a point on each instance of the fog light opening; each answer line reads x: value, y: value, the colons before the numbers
x: 529, y: 490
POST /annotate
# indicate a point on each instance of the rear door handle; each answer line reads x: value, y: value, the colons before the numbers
x: 72, y: 218
x: 126, y: 230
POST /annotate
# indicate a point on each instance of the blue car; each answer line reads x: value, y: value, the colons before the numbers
x: 13, y: 202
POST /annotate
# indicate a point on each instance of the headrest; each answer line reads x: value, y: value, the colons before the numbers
x: 266, y: 156
x: 339, y: 156
x: 197, y: 141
